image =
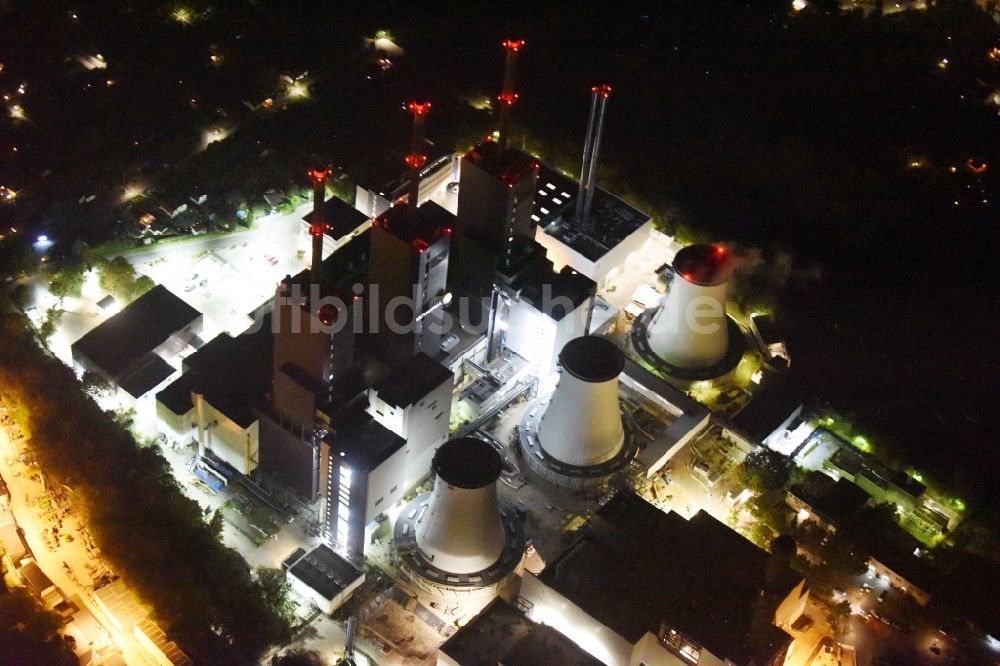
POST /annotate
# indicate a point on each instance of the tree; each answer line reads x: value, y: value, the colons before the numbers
x: 29, y: 634
x: 67, y: 279
x: 119, y: 277
x: 765, y: 471
x: 95, y: 385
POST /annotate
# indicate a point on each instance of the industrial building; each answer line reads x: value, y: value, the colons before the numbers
x: 581, y: 225
x: 132, y: 349
x: 225, y: 378
x: 501, y: 634
x: 323, y: 577
x: 642, y: 586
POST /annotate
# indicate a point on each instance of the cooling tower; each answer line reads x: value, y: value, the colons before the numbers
x: 582, y: 424
x: 461, y: 530
x: 690, y: 329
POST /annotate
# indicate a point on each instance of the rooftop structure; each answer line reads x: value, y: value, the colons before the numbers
x: 639, y: 585
x: 500, y: 634
x: 128, y: 348
x: 324, y: 577
x: 598, y: 248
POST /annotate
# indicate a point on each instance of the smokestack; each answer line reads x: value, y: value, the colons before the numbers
x: 318, y: 226
x: 591, y: 149
x: 582, y: 425
x: 461, y: 530
x: 416, y: 159
x: 690, y: 329
x: 508, y: 95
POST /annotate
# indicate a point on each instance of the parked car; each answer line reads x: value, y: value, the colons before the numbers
x: 449, y: 343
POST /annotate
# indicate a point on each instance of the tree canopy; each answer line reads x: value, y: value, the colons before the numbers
x: 151, y: 534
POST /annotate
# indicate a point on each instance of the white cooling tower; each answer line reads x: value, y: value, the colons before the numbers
x: 582, y: 424
x: 690, y: 330
x: 461, y: 531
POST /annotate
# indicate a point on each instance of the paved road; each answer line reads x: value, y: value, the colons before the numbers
x: 74, y: 580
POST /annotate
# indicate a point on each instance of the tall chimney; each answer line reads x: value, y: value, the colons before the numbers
x: 508, y: 95
x: 591, y: 148
x: 416, y: 159
x: 318, y: 226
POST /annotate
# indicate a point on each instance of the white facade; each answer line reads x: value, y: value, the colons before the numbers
x: 604, y: 268
x: 237, y: 446
x: 423, y: 424
x: 537, y: 338
x: 690, y: 329
x: 461, y: 531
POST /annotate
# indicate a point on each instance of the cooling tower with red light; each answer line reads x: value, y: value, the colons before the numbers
x: 689, y: 330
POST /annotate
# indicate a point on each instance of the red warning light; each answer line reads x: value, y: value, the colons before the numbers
x: 415, y: 161
x: 446, y: 231
x: 603, y: 90
x: 514, y: 45
x: 721, y: 251
x: 419, y: 108
x: 508, y: 98
x: 319, y: 174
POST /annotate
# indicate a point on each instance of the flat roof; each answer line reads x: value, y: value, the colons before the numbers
x: 634, y: 567
x: 835, y: 501
x: 139, y: 328
x: 232, y: 373
x: 412, y: 381
x: 325, y: 571
x: 566, y: 286
x: 768, y: 409
x: 364, y: 443
x: 431, y: 222
x: 341, y: 218
x: 151, y: 372
x: 611, y: 221
x: 500, y: 634
x: 510, y: 168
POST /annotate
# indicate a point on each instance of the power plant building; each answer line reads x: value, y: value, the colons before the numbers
x: 642, y: 586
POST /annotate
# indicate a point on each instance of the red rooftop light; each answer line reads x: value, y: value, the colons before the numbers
x: 419, y: 108
x: 513, y: 44
x: 319, y: 174
x: 603, y: 90
x: 508, y: 98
